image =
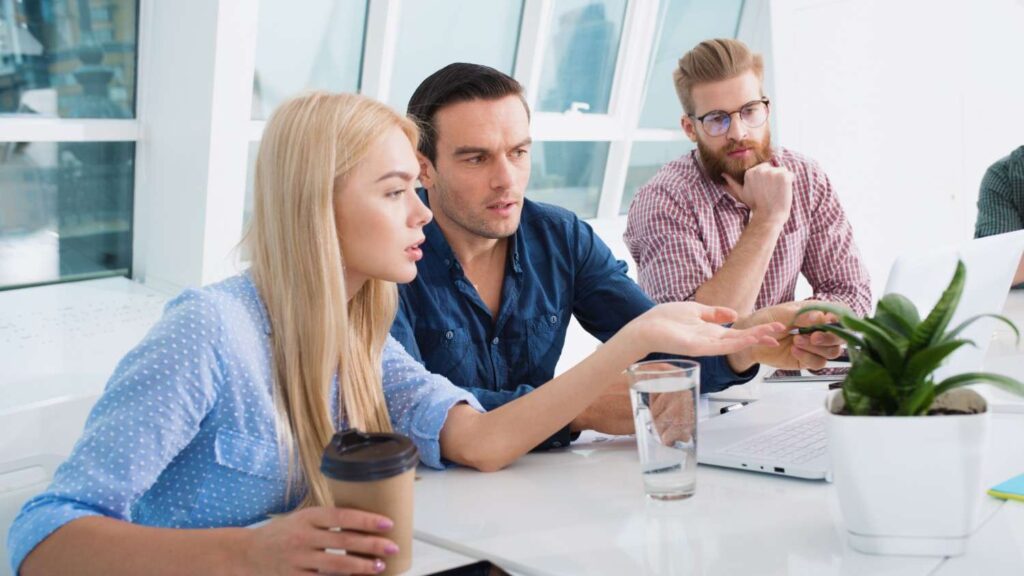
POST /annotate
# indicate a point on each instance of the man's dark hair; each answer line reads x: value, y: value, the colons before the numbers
x: 458, y: 82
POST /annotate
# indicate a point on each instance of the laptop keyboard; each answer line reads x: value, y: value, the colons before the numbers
x: 795, y: 442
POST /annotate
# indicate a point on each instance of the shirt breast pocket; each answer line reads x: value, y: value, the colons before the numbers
x: 444, y: 352
x: 545, y: 338
x: 247, y: 482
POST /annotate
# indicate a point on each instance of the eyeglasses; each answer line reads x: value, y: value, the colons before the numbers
x: 717, y: 122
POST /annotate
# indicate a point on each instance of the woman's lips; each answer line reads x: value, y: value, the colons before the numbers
x: 415, y: 252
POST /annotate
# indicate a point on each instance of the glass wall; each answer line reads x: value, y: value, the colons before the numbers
x: 581, y: 48
x: 65, y: 206
x: 68, y: 59
x: 568, y: 174
x: 435, y: 33
x: 317, y: 47
x: 572, y: 53
x: 682, y: 24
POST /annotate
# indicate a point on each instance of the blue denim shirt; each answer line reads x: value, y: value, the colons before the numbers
x: 557, y: 267
x: 184, y: 435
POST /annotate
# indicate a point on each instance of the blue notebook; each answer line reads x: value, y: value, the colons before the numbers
x: 1012, y: 489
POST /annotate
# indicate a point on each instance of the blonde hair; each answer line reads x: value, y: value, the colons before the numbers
x: 711, y: 61
x: 309, y: 148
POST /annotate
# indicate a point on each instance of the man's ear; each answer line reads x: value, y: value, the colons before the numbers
x: 689, y: 127
x: 426, y: 171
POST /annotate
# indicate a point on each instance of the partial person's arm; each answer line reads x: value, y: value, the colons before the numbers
x: 492, y: 440
x: 402, y: 332
x: 666, y: 244
x: 767, y: 190
x: 832, y: 263
x: 738, y: 282
x: 664, y: 239
x: 605, y: 299
x: 151, y: 410
x: 998, y: 213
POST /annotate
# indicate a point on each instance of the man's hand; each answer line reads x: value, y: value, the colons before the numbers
x: 794, y: 352
x: 611, y: 413
x: 767, y: 190
x: 675, y: 416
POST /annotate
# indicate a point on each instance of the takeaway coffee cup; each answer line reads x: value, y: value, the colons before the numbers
x: 375, y: 472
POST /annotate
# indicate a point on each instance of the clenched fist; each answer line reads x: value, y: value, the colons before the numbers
x: 767, y: 190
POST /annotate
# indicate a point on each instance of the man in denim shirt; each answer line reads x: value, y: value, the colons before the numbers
x: 501, y: 275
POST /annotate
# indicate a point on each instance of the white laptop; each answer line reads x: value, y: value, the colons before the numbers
x: 784, y: 433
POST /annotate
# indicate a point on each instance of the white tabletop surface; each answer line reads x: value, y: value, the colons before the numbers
x: 428, y: 559
x: 582, y: 510
x: 62, y: 341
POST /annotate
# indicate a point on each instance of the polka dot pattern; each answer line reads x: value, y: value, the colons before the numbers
x: 184, y: 435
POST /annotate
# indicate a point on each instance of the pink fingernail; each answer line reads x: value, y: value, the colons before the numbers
x: 385, y: 524
x: 378, y: 566
x: 391, y: 549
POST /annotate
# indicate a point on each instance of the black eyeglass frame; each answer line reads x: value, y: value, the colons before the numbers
x: 763, y: 100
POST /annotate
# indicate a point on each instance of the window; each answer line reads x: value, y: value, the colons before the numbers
x: 582, y: 45
x: 682, y: 25
x: 316, y: 47
x: 435, y: 33
x: 607, y: 62
x: 568, y: 174
x: 65, y: 201
x: 645, y: 161
x: 58, y: 61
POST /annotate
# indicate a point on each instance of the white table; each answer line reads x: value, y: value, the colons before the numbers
x: 428, y: 559
x: 582, y: 511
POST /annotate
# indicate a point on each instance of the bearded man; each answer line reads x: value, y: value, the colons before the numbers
x: 734, y: 222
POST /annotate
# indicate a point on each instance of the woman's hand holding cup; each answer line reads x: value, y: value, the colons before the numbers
x: 298, y: 543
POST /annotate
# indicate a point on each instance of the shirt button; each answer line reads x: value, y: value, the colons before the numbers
x: 556, y: 444
x: 553, y: 319
x: 447, y: 262
x: 495, y: 341
x: 449, y: 335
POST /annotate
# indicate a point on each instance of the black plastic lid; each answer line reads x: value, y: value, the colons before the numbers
x: 354, y: 456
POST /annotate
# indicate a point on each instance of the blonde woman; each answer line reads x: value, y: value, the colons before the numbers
x: 219, y: 417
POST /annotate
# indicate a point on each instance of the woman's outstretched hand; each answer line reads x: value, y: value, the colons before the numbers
x: 692, y: 329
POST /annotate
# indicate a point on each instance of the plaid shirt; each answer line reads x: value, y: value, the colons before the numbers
x: 682, y: 226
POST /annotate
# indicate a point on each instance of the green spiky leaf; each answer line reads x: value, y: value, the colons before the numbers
x: 873, y: 381
x: 960, y: 328
x: 931, y: 329
x: 997, y: 380
x: 926, y: 361
x: 881, y: 341
x: 899, y: 311
x: 919, y: 400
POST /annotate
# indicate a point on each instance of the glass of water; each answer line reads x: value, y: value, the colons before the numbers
x: 664, y: 394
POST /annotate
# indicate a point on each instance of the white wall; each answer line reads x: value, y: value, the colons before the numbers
x: 905, y: 103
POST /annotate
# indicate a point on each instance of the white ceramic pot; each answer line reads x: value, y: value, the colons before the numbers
x: 909, y: 485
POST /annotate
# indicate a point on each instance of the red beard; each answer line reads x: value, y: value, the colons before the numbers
x: 718, y: 163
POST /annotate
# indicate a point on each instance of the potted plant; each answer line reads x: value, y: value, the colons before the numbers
x: 906, y: 450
